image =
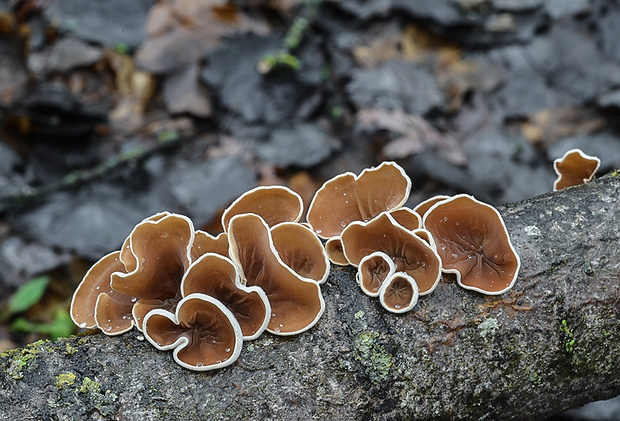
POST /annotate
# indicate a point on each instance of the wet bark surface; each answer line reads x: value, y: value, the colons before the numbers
x: 549, y: 344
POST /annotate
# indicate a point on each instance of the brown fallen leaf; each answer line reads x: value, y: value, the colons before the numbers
x: 548, y: 125
x: 183, y: 92
x: 414, y: 135
x: 181, y: 32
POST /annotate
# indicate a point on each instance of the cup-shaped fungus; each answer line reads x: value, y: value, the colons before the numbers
x: 296, y: 302
x: 274, y: 204
x: 218, y: 277
x: 203, y: 333
x: 422, y: 207
x: 399, y: 293
x: 205, y: 243
x: 407, y: 218
x: 373, y: 270
x: 347, y: 198
x: 333, y: 248
x: 409, y: 252
x: 161, y: 249
x: 301, y: 250
x: 473, y: 243
x: 574, y: 168
x: 95, y: 304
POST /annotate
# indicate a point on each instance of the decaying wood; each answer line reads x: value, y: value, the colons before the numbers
x: 551, y: 343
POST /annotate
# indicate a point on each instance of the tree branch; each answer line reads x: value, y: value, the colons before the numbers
x: 549, y: 344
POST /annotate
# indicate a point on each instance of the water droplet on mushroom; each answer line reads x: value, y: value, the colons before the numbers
x: 281, y: 325
x: 396, y: 306
x: 134, y: 299
x: 346, y: 202
x: 108, y: 328
x: 273, y: 314
x: 143, y: 260
x: 124, y: 317
x: 83, y: 325
x: 343, y: 224
x: 277, y: 330
x: 318, y: 231
x: 97, y: 287
x: 198, y: 364
x: 456, y: 223
x: 344, y: 194
x: 227, y: 350
x: 445, y: 219
x: 454, y: 255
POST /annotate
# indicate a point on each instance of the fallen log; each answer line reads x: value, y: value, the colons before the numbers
x: 549, y: 344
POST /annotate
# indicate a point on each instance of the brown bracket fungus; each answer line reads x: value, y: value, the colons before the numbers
x: 296, y: 302
x: 202, y: 332
x: 347, y: 198
x: 574, y: 168
x: 301, y: 250
x: 161, y: 249
x: 274, y: 204
x: 473, y: 243
x: 95, y: 304
x: 399, y: 293
x: 218, y: 277
x: 409, y: 252
x: 373, y: 270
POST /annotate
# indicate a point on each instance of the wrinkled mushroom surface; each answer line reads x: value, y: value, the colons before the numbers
x: 274, y: 204
x: 203, y: 333
x: 301, y: 250
x: 373, y: 270
x: 574, y: 168
x: 95, y: 304
x: 473, y: 243
x: 399, y: 293
x: 347, y: 198
x: 409, y: 252
x: 162, y: 251
x: 218, y: 277
x: 296, y: 302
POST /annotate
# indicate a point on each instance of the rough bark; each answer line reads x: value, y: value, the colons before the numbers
x: 549, y: 344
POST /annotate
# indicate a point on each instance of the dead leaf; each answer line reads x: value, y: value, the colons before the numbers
x: 548, y: 125
x: 181, y: 32
x: 414, y: 135
x: 183, y: 93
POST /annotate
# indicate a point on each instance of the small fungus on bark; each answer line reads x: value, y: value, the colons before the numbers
x: 296, y: 301
x: 373, y: 270
x: 348, y: 197
x: 574, y: 168
x: 409, y: 252
x: 399, y: 293
x: 274, y: 204
x: 161, y: 249
x: 203, y: 333
x: 473, y: 243
x: 218, y: 277
x: 333, y: 248
x: 95, y: 304
x: 301, y: 250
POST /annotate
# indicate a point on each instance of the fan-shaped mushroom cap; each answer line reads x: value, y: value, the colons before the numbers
x: 127, y: 257
x: 574, y: 168
x: 425, y: 205
x: 407, y: 218
x: 206, y: 243
x: 373, y: 270
x: 473, y: 243
x: 161, y: 249
x: 399, y: 293
x: 347, y: 198
x: 274, y: 204
x: 218, y: 277
x: 410, y: 253
x: 203, y: 333
x: 296, y: 302
x: 333, y: 248
x: 95, y: 304
x: 301, y: 250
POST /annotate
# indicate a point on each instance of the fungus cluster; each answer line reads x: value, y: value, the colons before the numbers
x: 401, y: 253
x: 202, y: 296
